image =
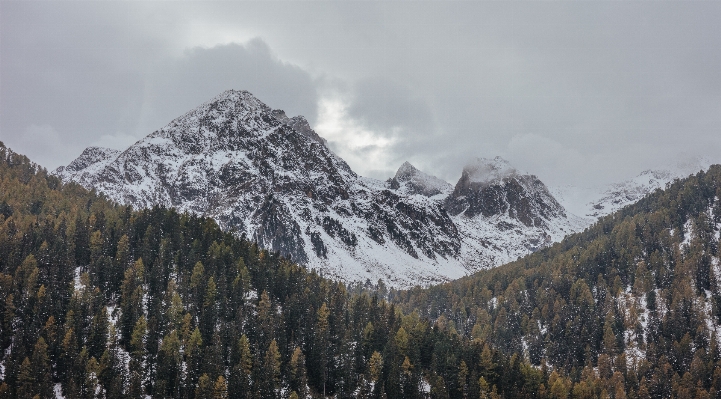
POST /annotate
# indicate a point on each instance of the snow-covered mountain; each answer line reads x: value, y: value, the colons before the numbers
x: 592, y: 203
x: 503, y: 214
x: 409, y: 180
x: 261, y: 173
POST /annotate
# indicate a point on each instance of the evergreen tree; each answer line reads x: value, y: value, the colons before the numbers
x: 270, y: 383
x: 26, y: 388
x: 298, y: 379
x: 240, y: 377
x: 41, y: 371
x: 131, y: 300
x: 205, y: 388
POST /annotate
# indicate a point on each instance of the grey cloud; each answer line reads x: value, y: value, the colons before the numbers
x: 182, y: 83
x: 83, y: 74
x: 575, y: 92
x: 383, y: 104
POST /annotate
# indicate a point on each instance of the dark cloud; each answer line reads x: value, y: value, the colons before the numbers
x: 202, y: 73
x: 575, y: 92
x: 65, y: 85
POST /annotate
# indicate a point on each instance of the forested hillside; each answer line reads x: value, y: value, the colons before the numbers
x: 629, y: 308
x: 99, y: 300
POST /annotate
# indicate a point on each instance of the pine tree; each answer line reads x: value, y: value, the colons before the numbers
x: 98, y: 335
x: 205, y: 388
x: 68, y: 360
x: 193, y: 357
x: 375, y: 366
x: 197, y: 283
x: 408, y: 380
x: 240, y: 377
x: 169, y: 362
x: 271, y: 372
x: 131, y: 300
x: 93, y: 388
x: 298, y: 379
x: 321, y: 347
x: 209, y: 309
x: 220, y: 389
x: 26, y: 388
x: 265, y: 321
x: 138, y: 351
x: 41, y: 371
x: 463, y: 379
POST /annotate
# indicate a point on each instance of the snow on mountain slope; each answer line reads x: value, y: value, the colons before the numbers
x: 271, y: 177
x: 88, y: 164
x: 618, y: 195
x: 592, y: 203
x: 260, y: 173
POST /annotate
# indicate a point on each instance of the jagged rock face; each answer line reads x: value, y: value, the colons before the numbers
x: 226, y: 159
x: 88, y: 164
x: 271, y: 177
x: 410, y: 180
x: 493, y: 187
x: 90, y: 156
x: 502, y: 214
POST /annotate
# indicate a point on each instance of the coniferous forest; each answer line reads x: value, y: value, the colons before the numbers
x: 103, y: 301
x: 631, y: 307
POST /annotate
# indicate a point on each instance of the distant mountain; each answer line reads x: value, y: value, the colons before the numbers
x: 409, y: 180
x: 504, y: 214
x: 592, y: 203
x: 272, y: 178
x: 89, y: 163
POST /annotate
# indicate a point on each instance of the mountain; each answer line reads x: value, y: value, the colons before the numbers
x: 409, y: 180
x: 630, y: 306
x: 503, y: 213
x: 92, y: 160
x: 271, y: 178
x: 104, y: 301
x: 592, y: 203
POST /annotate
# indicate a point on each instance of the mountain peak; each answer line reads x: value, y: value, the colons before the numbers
x: 234, y: 94
x: 485, y: 171
x: 261, y: 173
x: 406, y: 170
x: 492, y: 187
x: 90, y: 156
x: 413, y: 181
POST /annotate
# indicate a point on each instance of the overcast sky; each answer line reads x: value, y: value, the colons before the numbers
x: 575, y: 92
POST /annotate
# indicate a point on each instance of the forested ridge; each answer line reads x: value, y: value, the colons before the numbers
x: 103, y: 301
x: 99, y: 300
x: 631, y: 307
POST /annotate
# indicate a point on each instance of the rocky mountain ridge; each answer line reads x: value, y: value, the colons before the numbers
x: 270, y: 177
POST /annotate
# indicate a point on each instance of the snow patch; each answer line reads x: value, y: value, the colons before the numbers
x: 58, y: 390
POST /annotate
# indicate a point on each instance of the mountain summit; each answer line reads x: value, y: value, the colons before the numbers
x: 270, y: 177
x: 494, y: 187
x: 412, y: 181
